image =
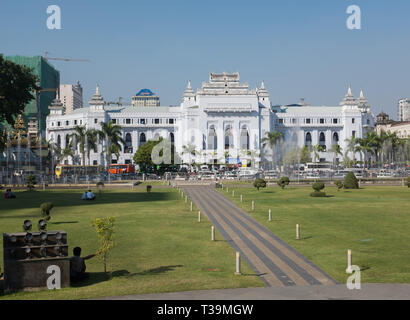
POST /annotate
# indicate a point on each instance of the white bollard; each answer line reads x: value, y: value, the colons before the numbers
x: 297, y: 232
x: 186, y: 199
x: 199, y: 216
x: 191, y: 205
x: 213, y: 233
x: 270, y: 215
x: 233, y: 193
x: 349, y: 261
x: 253, y: 205
x: 182, y: 195
x: 241, y: 198
x: 238, y: 264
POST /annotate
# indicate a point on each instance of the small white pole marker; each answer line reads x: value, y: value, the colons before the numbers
x: 297, y: 232
x: 270, y: 215
x: 238, y: 264
x: 199, y: 216
x: 213, y: 233
x: 349, y: 261
x: 241, y: 198
x: 253, y: 205
x: 191, y: 205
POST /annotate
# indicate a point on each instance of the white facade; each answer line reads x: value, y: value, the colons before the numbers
x: 71, y: 96
x: 224, y: 120
x: 404, y: 110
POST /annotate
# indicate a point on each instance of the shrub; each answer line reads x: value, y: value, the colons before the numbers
x: 100, y: 184
x: 259, y: 183
x: 351, y: 181
x: 45, y: 210
x: 339, y: 185
x: 149, y: 188
x: 283, y: 182
x: 218, y: 185
x: 318, y: 194
x: 317, y: 186
x: 31, y: 181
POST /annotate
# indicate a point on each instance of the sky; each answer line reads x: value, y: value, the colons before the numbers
x: 299, y: 48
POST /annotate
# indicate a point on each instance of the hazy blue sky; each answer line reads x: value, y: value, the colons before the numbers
x: 299, y: 48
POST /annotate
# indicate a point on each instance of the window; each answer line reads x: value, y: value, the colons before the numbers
x: 67, y: 123
x: 58, y: 123
x: 142, y: 121
x: 335, y: 121
x: 127, y: 121
x: 281, y: 121
x: 322, y: 121
x: 156, y: 121
x: 171, y: 121
x: 308, y: 140
x: 114, y: 121
x: 81, y: 121
x: 75, y: 122
x: 293, y: 121
x: 353, y: 120
x: 307, y: 121
x: 95, y: 162
x: 353, y: 134
x: 95, y: 120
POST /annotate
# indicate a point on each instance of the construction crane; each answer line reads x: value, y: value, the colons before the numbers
x: 46, y: 57
x: 118, y: 103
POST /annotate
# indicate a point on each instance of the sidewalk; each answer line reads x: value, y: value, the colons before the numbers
x: 335, y: 292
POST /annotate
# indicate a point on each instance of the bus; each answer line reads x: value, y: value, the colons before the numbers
x: 121, y: 168
x: 64, y: 170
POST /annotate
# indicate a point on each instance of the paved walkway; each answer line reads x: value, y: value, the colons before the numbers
x: 334, y: 292
x: 275, y: 261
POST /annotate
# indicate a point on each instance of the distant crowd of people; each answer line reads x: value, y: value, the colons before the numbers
x: 88, y: 195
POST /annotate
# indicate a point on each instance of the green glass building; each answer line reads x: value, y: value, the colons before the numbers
x: 49, y: 79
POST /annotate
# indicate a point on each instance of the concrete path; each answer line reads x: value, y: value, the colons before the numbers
x: 275, y: 261
x: 333, y: 292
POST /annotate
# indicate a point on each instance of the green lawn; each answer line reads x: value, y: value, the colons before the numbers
x: 373, y: 222
x: 160, y: 245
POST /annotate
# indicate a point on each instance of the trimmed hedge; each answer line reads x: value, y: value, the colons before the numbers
x: 259, y: 183
x: 339, y: 185
x: 45, y: 210
x: 283, y: 182
x: 351, y: 181
x: 317, y: 186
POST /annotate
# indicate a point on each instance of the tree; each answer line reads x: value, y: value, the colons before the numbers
x: 91, y: 141
x: 105, y: 232
x: 271, y: 139
x: 31, y: 181
x: 80, y: 136
x: 143, y: 157
x: 305, y: 156
x: 351, y: 147
x: 46, y: 209
x: 283, y: 182
x: 110, y: 133
x: 336, y: 150
x: 17, y: 84
x: 316, y: 149
x: 351, y: 181
x: 259, y: 183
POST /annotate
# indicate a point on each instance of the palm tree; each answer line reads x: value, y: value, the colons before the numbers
x: 336, y: 150
x: 91, y: 140
x: 80, y: 139
x: 190, y: 150
x: 316, y: 149
x: 271, y: 139
x: 110, y: 133
x: 351, y: 147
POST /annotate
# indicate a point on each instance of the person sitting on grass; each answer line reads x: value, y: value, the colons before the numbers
x: 90, y: 195
x: 84, y: 196
x: 9, y: 194
x: 78, y: 267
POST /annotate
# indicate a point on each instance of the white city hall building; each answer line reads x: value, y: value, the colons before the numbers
x: 224, y: 121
